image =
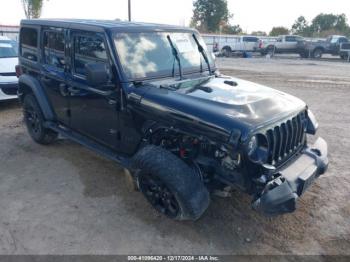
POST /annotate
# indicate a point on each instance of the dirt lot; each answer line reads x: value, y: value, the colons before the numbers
x: 64, y: 199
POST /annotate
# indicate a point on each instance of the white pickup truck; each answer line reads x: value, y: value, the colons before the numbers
x: 230, y: 44
x: 284, y: 44
x: 237, y: 44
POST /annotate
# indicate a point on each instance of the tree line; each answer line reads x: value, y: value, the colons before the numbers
x: 213, y: 16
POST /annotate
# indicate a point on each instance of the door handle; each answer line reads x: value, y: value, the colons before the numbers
x: 63, y: 89
x: 73, y: 90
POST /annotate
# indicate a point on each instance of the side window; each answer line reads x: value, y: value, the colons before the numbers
x: 343, y: 40
x: 54, y: 49
x: 88, y: 49
x: 250, y: 39
x: 290, y: 39
x: 29, y: 43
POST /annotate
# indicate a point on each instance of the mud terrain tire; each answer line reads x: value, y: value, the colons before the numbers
x: 34, y: 120
x: 189, y: 196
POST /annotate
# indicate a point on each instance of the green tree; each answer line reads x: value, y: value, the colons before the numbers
x: 209, y: 15
x: 301, y: 27
x: 279, y: 30
x: 231, y: 29
x: 325, y: 22
x: 32, y: 8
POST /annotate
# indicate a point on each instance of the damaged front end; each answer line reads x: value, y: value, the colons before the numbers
x: 280, y: 195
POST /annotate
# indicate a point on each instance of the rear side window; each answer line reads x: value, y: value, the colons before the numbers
x: 54, y: 49
x: 343, y: 40
x: 88, y: 49
x: 29, y: 43
x: 291, y: 39
x: 250, y: 39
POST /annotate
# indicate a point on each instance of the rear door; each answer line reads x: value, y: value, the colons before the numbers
x: 93, y: 109
x: 53, y: 71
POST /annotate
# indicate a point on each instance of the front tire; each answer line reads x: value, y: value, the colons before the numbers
x: 169, y: 185
x: 34, y: 120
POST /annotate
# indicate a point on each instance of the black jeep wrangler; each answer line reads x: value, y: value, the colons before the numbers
x: 151, y: 98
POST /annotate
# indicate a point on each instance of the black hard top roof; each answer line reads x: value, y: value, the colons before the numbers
x: 101, y: 25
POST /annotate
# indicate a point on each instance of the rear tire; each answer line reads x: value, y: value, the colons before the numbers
x: 226, y: 51
x: 34, y: 120
x: 344, y: 57
x: 169, y: 185
x: 317, y: 53
x: 271, y: 50
x: 304, y: 55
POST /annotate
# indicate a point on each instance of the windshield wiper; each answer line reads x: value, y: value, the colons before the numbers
x: 176, y: 56
x: 202, y: 51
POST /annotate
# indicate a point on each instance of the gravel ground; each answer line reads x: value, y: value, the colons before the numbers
x: 64, y: 199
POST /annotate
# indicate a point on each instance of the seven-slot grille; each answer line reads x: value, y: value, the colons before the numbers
x: 285, y: 139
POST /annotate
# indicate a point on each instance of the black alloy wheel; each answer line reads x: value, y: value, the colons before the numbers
x: 159, y: 195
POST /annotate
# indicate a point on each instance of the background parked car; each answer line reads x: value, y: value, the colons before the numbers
x: 228, y: 44
x: 316, y: 49
x: 282, y: 45
x: 212, y: 42
x: 237, y: 44
x: 8, y: 62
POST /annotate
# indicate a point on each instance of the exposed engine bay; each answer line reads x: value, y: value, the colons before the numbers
x: 210, y: 161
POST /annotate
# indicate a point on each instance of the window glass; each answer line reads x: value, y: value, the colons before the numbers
x: 8, y: 49
x: 334, y: 40
x: 250, y: 39
x: 29, y: 43
x: 343, y: 40
x: 149, y: 54
x: 290, y: 39
x: 29, y: 37
x: 88, y: 49
x: 54, y: 49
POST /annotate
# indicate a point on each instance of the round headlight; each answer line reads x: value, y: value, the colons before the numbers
x: 252, y: 145
x: 257, y: 149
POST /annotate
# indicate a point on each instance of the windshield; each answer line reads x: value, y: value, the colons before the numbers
x: 334, y: 39
x: 8, y: 49
x: 145, y: 55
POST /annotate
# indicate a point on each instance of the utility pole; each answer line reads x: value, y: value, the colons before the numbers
x: 129, y: 9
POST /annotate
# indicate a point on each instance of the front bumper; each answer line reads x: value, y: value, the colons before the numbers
x: 280, y: 195
x: 8, y: 90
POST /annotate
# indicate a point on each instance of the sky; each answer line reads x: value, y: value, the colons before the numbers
x: 250, y: 15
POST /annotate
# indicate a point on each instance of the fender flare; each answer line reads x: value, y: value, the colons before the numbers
x: 39, y: 93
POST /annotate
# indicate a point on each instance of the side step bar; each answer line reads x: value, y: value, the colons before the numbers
x: 90, y: 144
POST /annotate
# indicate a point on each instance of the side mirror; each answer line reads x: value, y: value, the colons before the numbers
x: 97, y: 74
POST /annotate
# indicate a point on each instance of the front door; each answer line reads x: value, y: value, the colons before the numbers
x: 93, y: 110
x: 53, y: 73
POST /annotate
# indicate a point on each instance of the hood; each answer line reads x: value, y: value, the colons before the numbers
x: 7, y: 65
x: 224, y: 102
